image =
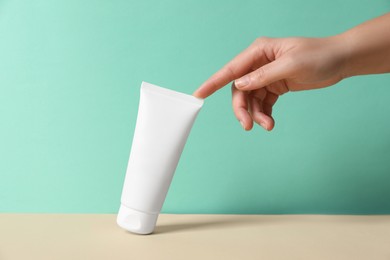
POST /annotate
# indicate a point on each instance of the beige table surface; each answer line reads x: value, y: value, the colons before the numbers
x: 54, y: 236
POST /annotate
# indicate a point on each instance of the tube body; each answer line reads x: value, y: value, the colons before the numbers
x: 164, y: 121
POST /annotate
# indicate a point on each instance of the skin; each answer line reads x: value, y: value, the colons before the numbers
x: 270, y: 67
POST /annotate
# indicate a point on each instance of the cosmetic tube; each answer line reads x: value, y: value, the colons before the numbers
x: 165, y: 118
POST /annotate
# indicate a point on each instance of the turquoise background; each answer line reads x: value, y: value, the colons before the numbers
x: 70, y: 73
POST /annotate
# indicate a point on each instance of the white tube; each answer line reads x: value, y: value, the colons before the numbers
x: 165, y: 118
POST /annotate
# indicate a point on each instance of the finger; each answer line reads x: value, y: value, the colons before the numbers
x: 269, y: 102
x: 251, y: 57
x: 266, y: 75
x: 260, y: 110
x: 240, y: 108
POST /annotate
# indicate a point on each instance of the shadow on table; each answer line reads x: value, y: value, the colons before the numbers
x: 224, y: 222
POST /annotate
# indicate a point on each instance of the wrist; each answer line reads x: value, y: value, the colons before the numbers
x: 343, y: 50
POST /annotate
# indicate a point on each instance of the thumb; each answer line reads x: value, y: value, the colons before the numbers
x: 265, y: 75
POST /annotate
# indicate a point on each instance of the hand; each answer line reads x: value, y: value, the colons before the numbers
x: 271, y: 67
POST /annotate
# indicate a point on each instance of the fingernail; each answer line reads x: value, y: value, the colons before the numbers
x: 264, y: 125
x: 242, y: 124
x: 242, y: 82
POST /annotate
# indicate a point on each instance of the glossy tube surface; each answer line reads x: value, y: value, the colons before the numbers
x: 165, y: 118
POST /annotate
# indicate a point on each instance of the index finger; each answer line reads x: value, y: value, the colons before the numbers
x: 236, y: 68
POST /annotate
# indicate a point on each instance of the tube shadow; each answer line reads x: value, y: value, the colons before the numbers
x: 201, y: 225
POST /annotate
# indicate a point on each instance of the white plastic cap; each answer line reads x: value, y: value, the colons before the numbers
x: 136, y: 221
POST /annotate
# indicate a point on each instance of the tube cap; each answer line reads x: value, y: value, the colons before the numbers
x: 136, y: 221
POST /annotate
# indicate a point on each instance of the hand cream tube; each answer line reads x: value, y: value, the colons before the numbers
x: 165, y: 118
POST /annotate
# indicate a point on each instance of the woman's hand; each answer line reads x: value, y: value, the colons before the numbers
x: 271, y: 67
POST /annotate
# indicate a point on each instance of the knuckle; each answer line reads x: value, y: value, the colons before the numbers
x: 260, y: 74
x: 291, y: 60
x: 231, y: 72
x: 261, y: 40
